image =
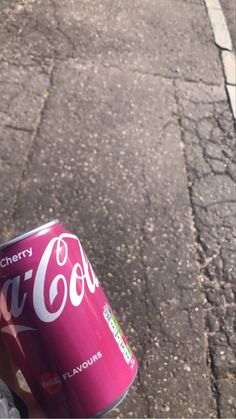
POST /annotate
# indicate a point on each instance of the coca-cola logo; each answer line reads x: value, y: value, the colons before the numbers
x: 51, y: 382
x: 71, y: 283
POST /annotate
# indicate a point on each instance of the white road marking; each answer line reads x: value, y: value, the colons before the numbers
x: 224, y: 42
x: 232, y: 97
x: 219, y: 25
x: 229, y: 64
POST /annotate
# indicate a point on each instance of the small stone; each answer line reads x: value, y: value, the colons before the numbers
x: 214, y: 297
x: 213, y: 151
x: 217, y: 166
x: 212, y: 322
x: 219, y: 311
x: 229, y: 295
x: 231, y: 311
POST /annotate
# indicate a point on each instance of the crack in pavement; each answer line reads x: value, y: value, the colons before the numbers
x: 212, y: 202
x: 156, y: 74
x: 15, y: 128
x: 60, y: 30
x: 147, y: 293
x: 125, y: 69
x: 215, y: 394
x: 209, y: 159
x: 9, y: 228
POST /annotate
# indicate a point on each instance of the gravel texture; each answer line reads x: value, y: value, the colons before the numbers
x: 114, y: 118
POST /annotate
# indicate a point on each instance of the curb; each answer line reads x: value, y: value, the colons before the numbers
x: 224, y: 42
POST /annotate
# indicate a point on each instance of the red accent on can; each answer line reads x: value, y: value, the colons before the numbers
x: 60, y: 327
x: 51, y: 382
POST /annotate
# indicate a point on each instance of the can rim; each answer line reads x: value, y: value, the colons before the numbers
x: 28, y: 234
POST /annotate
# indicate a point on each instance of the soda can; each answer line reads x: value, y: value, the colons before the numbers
x: 60, y: 327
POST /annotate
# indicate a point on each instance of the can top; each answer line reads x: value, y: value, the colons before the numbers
x: 30, y: 233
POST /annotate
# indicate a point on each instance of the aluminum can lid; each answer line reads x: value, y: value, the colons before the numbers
x: 28, y: 234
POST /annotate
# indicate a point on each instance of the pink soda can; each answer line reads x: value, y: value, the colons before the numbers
x: 60, y: 327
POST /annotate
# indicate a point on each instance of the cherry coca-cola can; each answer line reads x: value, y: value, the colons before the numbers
x: 60, y: 327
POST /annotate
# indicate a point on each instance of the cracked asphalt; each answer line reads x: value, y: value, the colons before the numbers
x: 114, y: 118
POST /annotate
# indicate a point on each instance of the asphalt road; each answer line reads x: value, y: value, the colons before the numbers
x: 229, y: 9
x: 114, y: 118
